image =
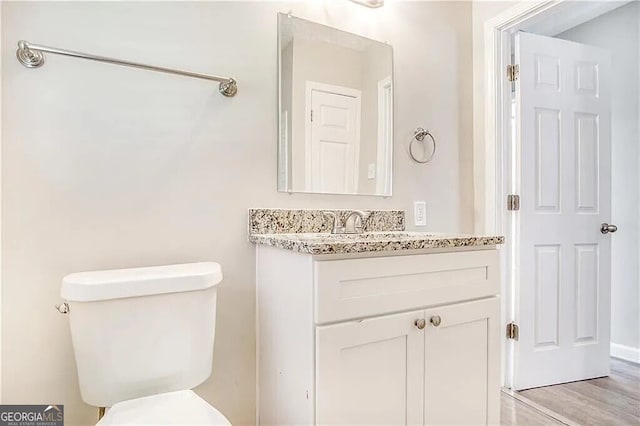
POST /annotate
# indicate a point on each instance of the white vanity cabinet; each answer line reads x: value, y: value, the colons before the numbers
x: 398, y: 339
x: 385, y: 370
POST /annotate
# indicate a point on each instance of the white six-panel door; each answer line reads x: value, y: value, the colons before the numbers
x: 333, y: 138
x: 563, y: 163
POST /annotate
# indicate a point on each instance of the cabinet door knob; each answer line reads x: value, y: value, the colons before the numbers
x: 436, y: 320
x: 420, y: 323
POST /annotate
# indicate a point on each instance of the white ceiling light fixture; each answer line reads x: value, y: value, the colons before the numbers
x: 370, y: 3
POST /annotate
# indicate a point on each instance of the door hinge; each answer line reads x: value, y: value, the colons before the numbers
x: 312, y: 116
x: 512, y: 72
x: 513, y: 331
x: 513, y: 202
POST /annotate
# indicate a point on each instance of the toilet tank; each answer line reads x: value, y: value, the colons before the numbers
x: 142, y: 331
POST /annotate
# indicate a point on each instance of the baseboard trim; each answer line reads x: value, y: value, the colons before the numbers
x: 627, y: 353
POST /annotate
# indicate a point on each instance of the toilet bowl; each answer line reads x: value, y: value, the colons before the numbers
x: 143, y: 338
x: 172, y: 408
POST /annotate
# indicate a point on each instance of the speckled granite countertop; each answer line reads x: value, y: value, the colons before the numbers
x: 315, y: 243
x: 307, y: 231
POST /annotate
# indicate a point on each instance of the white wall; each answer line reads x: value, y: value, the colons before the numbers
x: 108, y: 167
x: 619, y: 32
x: 482, y: 11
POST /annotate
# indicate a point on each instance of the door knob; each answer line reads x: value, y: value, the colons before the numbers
x: 420, y: 323
x: 605, y: 228
x: 436, y: 320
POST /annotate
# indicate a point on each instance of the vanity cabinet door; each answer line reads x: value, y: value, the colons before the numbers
x: 370, y: 372
x: 462, y: 353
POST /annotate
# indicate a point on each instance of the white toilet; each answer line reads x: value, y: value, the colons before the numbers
x: 143, y: 338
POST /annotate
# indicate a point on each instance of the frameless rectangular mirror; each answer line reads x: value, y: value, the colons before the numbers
x: 335, y: 110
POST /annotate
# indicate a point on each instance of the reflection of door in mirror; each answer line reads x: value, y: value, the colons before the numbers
x: 333, y: 138
x: 346, y: 82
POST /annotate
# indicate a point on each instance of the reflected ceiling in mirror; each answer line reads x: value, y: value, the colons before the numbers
x: 335, y: 110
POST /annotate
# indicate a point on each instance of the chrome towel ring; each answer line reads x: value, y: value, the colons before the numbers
x: 418, y: 135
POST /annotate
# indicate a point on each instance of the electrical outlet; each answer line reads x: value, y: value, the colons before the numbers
x: 371, y: 172
x: 420, y: 213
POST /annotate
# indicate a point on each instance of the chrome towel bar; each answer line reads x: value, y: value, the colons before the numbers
x: 31, y: 56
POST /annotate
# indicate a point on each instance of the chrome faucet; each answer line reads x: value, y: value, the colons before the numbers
x: 353, y: 224
x: 337, y: 226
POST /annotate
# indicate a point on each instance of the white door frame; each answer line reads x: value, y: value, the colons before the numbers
x: 544, y: 17
x: 340, y: 90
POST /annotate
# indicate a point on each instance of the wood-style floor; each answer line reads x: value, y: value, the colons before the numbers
x: 516, y: 413
x: 613, y: 400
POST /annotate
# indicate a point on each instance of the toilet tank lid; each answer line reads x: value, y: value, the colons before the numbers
x: 136, y: 282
